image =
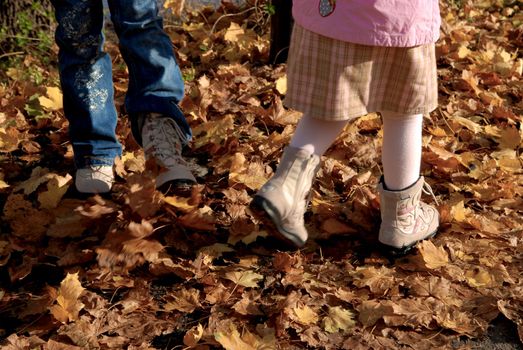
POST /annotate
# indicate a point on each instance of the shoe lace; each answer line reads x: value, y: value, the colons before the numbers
x: 428, y: 190
x: 168, y: 140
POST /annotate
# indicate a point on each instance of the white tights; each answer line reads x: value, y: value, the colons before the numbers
x: 401, y: 152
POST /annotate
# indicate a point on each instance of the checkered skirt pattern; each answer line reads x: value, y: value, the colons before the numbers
x: 330, y: 79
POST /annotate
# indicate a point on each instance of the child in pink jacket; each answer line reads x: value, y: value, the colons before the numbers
x: 349, y: 58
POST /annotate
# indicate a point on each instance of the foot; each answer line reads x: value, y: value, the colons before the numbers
x: 282, y: 201
x: 163, y: 141
x: 406, y: 220
x: 95, y: 179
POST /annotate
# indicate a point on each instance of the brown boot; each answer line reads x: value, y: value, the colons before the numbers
x: 284, y: 198
x: 405, y: 220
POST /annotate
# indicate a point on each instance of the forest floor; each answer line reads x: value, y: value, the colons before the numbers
x: 135, y: 269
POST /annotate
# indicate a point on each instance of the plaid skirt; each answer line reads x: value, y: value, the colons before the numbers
x: 331, y: 79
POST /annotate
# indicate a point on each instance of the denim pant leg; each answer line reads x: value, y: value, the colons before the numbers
x: 86, y: 79
x: 155, y: 80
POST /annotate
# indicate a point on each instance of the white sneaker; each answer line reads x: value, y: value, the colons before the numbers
x: 95, y: 179
x: 163, y: 141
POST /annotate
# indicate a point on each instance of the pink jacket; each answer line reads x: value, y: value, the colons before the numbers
x: 400, y: 23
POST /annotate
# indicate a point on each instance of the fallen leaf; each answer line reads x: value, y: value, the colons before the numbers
x: 246, y: 278
x: 433, y: 257
x: 68, y: 305
x: 338, y: 320
x: 53, y: 101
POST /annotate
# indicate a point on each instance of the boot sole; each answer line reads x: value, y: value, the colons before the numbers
x: 182, y: 188
x: 399, y: 252
x: 264, y: 210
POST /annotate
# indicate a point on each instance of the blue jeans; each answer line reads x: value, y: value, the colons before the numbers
x: 155, y: 80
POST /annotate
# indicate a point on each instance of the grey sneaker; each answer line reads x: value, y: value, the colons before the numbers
x: 163, y: 141
x: 95, y: 179
x: 405, y: 220
x: 284, y: 198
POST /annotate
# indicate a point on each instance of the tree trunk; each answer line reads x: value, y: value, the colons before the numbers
x: 24, y: 22
x: 281, y: 28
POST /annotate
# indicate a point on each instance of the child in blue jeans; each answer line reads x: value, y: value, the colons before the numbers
x: 155, y: 88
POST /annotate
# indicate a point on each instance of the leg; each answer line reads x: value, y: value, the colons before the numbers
x: 155, y: 88
x: 284, y: 198
x: 155, y: 81
x: 405, y: 220
x: 401, y: 151
x: 86, y: 79
x: 316, y: 135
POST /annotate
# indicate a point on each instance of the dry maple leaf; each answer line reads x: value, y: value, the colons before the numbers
x: 247, y: 305
x: 228, y: 336
x: 56, y: 188
x: 338, y: 320
x: 246, y: 278
x: 68, y: 305
x: 304, y: 315
x: 433, y: 257
x: 184, y: 300
x: 379, y: 280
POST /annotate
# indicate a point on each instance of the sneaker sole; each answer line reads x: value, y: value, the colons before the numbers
x: 264, y: 210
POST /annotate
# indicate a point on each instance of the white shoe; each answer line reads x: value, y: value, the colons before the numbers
x: 95, y: 179
x: 405, y: 219
x: 163, y: 141
x: 284, y: 198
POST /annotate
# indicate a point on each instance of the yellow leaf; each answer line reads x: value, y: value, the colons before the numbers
x: 53, y: 101
x: 14, y: 73
x: 304, y: 315
x: 176, y: 6
x: 56, y: 188
x: 3, y: 184
x: 463, y: 51
x: 252, y: 175
x: 479, y: 278
x: 459, y: 212
x: 469, y: 124
x: 437, y: 131
x: 244, y: 278
x: 213, y: 132
x: 67, y: 305
x: 232, y: 340
x: 233, y: 32
x: 39, y: 176
x: 180, y: 203
x: 281, y: 85
x: 338, y: 320
x: 434, y: 257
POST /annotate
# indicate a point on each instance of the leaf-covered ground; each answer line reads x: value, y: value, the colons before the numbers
x: 138, y: 270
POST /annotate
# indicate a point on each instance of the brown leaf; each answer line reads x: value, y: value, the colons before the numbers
x: 193, y: 335
x: 184, y: 300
